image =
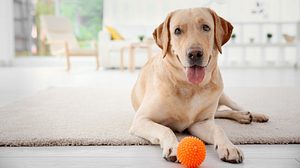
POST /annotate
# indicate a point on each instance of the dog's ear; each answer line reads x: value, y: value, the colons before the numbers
x: 222, y: 31
x: 161, y: 35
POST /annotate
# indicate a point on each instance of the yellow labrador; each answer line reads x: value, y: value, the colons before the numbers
x: 181, y: 89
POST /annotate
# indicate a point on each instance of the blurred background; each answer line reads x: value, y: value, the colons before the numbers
x: 266, y: 32
x: 73, y: 42
x: 85, y: 17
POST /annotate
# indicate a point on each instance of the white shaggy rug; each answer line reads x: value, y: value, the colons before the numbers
x: 78, y: 116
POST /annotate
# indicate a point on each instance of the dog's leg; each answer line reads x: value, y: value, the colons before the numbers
x: 242, y: 117
x: 209, y: 132
x: 238, y: 113
x: 156, y: 134
x: 226, y: 101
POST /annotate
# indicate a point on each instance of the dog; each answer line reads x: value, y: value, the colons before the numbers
x: 181, y: 89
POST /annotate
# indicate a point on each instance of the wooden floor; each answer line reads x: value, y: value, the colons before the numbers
x: 272, y: 156
x: 21, y: 82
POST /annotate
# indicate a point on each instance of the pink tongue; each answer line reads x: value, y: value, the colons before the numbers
x: 195, y: 74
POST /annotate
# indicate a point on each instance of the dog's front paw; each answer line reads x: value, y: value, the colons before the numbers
x: 243, y: 117
x: 257, y: 117
x: 230, y: 153
x: 170, y: 153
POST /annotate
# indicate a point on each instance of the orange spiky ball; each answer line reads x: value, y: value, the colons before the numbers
x: 191, y: 151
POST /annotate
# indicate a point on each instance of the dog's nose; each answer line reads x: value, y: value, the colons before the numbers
x: 195, y: 54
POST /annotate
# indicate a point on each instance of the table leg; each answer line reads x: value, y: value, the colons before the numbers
x: 131, y: 59
x: 149, y: 52
x: 122, y: 59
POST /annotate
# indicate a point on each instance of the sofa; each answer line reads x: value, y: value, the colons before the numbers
x: 110, y: 50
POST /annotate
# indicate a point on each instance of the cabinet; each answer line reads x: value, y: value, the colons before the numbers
x: 253, y: 46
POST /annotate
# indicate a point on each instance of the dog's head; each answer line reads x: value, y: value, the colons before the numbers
x: 194, y: 36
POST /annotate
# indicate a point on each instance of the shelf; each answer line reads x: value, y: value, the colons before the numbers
x: 262, y: 44
x: 261, y: 47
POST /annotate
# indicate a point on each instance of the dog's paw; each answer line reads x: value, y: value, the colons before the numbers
x: 243, y: 117
x: 170, y: 153
x: 230, y: 153
x: 257, y: 117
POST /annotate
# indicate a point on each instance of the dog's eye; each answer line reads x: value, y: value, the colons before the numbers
x: 177, y: 31
x: 206, y: 28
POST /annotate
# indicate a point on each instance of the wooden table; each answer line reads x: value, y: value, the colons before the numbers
x: 132, y: 48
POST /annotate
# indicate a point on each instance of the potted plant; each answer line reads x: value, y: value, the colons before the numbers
x: 269, y: 37
x: 141, y: 38
x: 233, y: 36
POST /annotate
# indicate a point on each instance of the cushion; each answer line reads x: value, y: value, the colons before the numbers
x: 115, y: 35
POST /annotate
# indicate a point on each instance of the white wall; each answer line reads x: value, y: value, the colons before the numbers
x: 145, y: 15
x: 276, y: 10
x: 6, y: 32
x: 152, y: 12
x: 143, y: 12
